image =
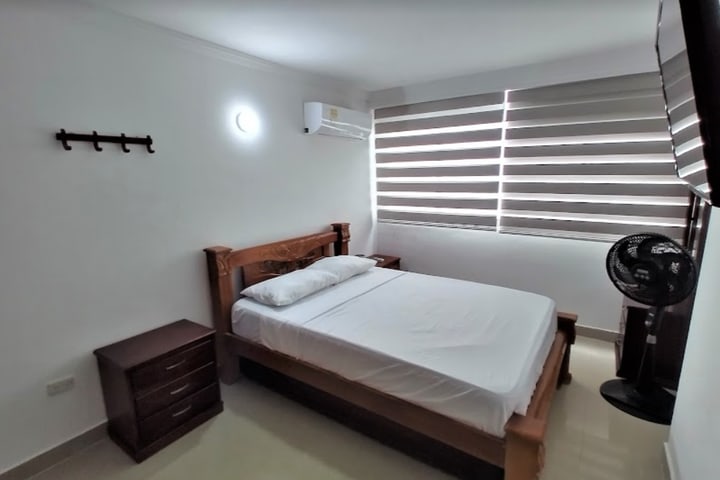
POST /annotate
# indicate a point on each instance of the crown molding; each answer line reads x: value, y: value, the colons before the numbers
x: 222, y: 53
x: 632, y: 58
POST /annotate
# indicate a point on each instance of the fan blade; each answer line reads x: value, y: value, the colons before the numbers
x: 626, y: 253
x: 646, y: 247
x: 624, y: 276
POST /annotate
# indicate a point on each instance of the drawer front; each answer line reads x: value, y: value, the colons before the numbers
x: 155, y: 426
x: 168, y: 369
x: 174, y: 391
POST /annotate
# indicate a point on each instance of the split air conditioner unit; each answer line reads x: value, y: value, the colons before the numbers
x: 337, y: 121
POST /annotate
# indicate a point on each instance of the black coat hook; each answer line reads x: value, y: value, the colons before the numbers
x: 150, y: 150
x: 62, y: 136
x: 97, y: 146
x: 96, y: 140
x: 123, y: 145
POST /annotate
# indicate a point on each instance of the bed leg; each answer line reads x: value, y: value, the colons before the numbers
x: 524, y: 458
x: 566, y: 324
x: 230, y: 371
x: 228, y: 364
x: 565, y: 376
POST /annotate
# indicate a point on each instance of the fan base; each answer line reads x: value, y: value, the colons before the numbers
x: 656, y: 405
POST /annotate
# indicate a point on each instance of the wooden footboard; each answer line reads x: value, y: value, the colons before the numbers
x: 525, y: 434
x: 520, y: 453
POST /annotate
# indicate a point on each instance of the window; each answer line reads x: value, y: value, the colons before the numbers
x: 590, y: 160
x: 439, y: 162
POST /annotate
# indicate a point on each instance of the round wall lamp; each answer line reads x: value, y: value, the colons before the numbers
x: 247, y: 121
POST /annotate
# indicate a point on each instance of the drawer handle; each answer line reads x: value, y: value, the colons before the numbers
x: 175, y: 365
x: 178, y: 390
x: 182, y: 412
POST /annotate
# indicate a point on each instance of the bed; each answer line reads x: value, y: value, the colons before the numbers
x: 481, y: 383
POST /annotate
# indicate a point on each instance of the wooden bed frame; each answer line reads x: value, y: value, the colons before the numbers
x: 520, y: 453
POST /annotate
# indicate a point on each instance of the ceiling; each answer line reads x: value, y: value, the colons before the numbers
x: 379, y: 44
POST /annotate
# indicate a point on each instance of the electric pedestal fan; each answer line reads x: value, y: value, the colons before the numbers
x: 656, y: 271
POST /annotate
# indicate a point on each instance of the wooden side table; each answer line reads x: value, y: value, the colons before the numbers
x: 386, y: 261
x: 159, y: 385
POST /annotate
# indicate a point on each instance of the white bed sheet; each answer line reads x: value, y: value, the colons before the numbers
x: 470, y: 351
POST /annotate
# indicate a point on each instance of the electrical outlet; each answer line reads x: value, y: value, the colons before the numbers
x: 60, y: 386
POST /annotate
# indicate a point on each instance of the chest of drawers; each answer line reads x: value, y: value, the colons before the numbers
x: 159, y: 385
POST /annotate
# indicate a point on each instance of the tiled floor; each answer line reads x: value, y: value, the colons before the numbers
x: 589, y: 439
x: 263, y: 436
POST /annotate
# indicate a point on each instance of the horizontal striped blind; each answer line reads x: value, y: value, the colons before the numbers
x: 684, y: 122
x: 591, y: 160
x: 438, y: 163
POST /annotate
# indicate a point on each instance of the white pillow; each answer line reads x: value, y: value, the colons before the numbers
x: 291, y: 287
x: 344, y: 266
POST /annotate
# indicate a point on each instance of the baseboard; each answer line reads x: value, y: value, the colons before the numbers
x: 671, y: 467
x: 56, y: 454
x: 596, y: 333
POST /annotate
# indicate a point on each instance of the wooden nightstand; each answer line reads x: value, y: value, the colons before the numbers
x: 159, y: 385
x: 386, y: 261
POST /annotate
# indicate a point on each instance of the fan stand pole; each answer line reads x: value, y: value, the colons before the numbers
x: 643, y: 398
x: 646, y: 373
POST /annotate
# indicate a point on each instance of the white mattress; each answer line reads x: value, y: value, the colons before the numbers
x: 470, y: 351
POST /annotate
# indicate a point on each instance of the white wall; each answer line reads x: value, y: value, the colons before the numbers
x: 607, y: 63
x: 572, y: 272
x: 95, y: 247
x: 695, y: 431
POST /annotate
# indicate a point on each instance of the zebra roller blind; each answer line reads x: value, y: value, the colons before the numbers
x: 439, y: 162
x: 684, y: 121
x: 590, y: 160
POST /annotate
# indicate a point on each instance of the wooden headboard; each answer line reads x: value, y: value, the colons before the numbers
x: 261, y: 263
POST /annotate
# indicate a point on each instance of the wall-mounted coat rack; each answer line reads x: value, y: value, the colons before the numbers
x: 96, y: 140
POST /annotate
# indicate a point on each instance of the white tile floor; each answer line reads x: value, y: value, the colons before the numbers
x: 263, y: 436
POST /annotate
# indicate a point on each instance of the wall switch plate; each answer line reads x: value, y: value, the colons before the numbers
x: 60, y: 386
